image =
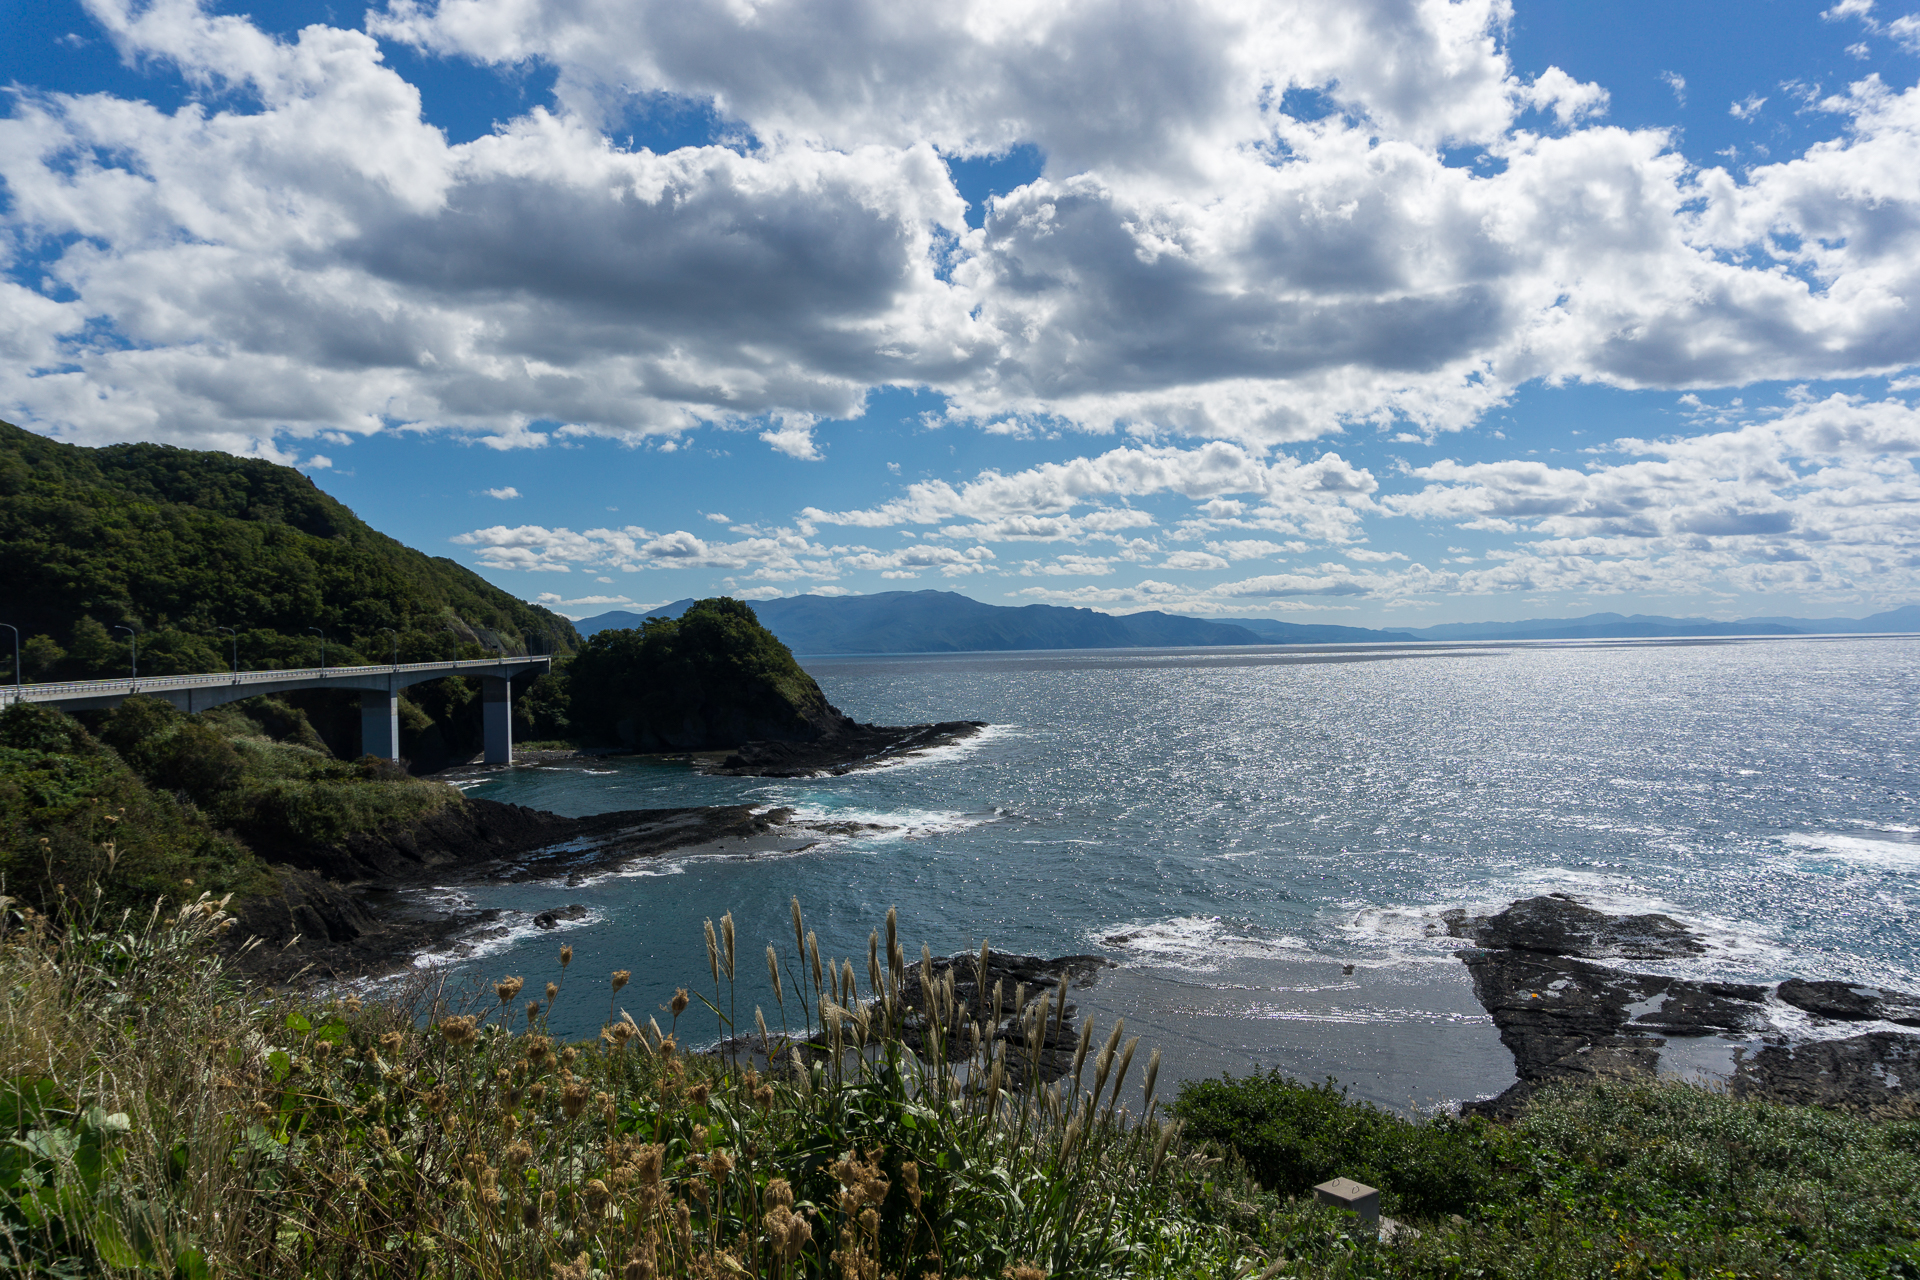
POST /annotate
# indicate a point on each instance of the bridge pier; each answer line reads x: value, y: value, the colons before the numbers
x: 496, y: 695
x: 380, y: 723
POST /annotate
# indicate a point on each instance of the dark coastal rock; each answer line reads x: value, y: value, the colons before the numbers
x: 1557, y: 925
x: 339, y: 912
x: 461, y: 833
x: 844, y: 750
x: 314, y: 929
x: 1850, y: 1002
x: 552, y: 919
x: 1565, y: 1018
x: 1872, y: 1073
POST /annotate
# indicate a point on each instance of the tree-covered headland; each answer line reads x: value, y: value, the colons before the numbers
x: 711, y: 679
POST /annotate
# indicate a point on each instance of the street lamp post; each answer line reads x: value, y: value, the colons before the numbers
x: 16, y: 651
x: 133, y: 648
x: 396, y: 645
x: 235, y: 634
x: 323, y: 646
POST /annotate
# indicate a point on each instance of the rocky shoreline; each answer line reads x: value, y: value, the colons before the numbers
x: 1538, y: 970
x: 343, y: 910
x: 346, y: 911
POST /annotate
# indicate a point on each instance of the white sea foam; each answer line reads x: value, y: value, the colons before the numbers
x: 491, y: 938
x: 1196, y: 943
x: 671, y: 865
x: 1887, y: 848
x: 883, y: 824
x: 946, y: 753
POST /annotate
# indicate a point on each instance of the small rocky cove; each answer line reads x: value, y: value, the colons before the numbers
x: 1551, y: 973
x: 357, y: 909
x: 353, y: 909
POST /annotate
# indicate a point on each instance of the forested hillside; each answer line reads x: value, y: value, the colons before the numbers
x: 178, y: 543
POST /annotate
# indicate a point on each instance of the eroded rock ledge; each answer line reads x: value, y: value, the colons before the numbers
x: 348, y: 904
x: 847, y: 749
x: 1563, y: 1016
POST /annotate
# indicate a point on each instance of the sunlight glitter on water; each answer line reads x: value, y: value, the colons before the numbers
x: 1325, y: 809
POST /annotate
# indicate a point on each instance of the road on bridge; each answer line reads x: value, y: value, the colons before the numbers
x: 379, y: 689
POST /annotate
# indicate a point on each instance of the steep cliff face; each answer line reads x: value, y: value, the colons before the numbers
x: 711, y: 679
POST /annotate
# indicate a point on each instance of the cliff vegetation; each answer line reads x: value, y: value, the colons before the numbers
x: 178, y: 543
x: 155, y: 799
x: 712, y: 678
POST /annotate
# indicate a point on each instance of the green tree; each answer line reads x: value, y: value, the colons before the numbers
x: 40, y: 657
x: 95, y: 653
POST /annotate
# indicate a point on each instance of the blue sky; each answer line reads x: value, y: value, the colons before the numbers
x: 1397, y: 312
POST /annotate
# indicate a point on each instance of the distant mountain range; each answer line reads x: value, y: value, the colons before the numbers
x: 946, y: 622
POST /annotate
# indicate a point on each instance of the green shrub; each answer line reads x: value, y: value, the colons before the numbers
x: 273, y: 719
x: 171, y: 751
x: 72, y: 813
x: 284, y: 814
x: 1294, y: 1136
x: 1816, y: 1184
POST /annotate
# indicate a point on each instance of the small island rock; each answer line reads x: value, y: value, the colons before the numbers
x: 1557, y: 925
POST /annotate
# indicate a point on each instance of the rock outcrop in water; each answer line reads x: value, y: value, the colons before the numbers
x: 1557, y: 925
x: 847, y: 749
x: 712, y: 679
x: 1846, y: 1002
x: 1565, y: 1017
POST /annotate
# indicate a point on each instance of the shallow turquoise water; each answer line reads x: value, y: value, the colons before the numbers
x: 1235, y: 826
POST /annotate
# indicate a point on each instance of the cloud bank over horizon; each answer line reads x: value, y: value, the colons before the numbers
x: 1259, y: 240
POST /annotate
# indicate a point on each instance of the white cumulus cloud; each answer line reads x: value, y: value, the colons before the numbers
x: 302, y: 253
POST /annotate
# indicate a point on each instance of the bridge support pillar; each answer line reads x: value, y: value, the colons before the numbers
x: 496, y: 695
x: 380, y: 724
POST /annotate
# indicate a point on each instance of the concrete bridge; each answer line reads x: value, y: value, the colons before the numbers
x: 379, y: 689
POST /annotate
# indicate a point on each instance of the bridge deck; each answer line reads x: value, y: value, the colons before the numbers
x: 379, y: 688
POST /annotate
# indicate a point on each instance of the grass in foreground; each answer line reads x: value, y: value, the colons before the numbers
x: 161, y: 1121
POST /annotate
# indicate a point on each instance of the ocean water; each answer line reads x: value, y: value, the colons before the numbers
x: 1263, y: 840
